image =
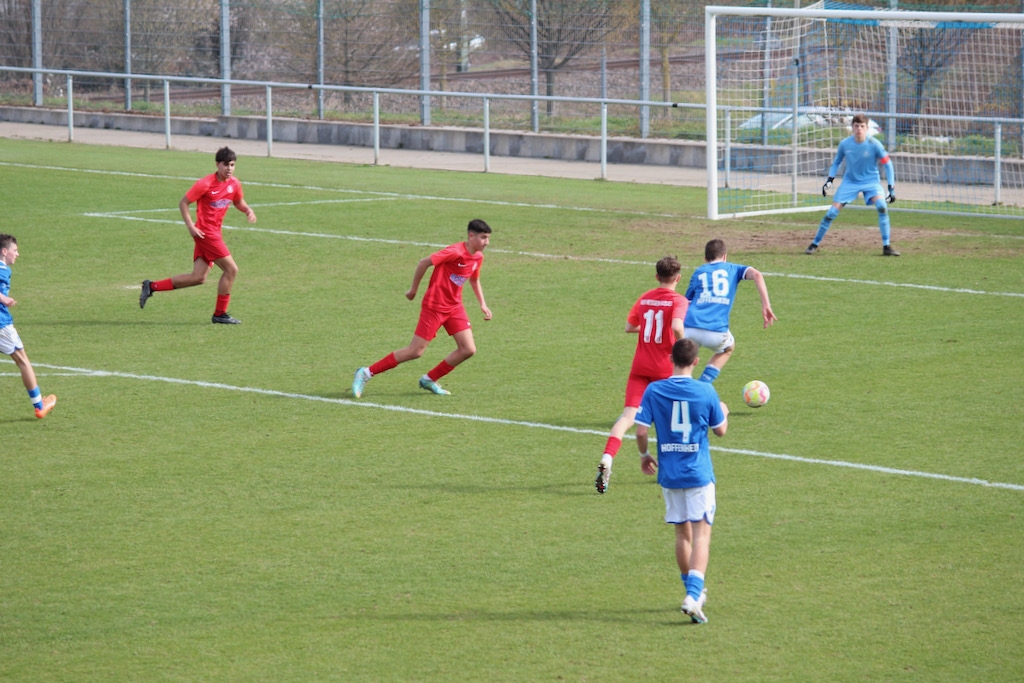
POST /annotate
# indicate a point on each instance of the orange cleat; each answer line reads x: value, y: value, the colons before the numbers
x: 48, y: 403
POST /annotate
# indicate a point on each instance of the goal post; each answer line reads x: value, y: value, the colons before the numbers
x: 944, y: 92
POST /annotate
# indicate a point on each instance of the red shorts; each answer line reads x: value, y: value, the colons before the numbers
x: 210, y: 249
x: 432, y: 320
x: 635, y: 386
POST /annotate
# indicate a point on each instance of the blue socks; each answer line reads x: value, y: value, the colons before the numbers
x: 883, y: 222
x: 710, y: 374
x: 36, y: 397
x: 825, y: 224
x: 694, y: 583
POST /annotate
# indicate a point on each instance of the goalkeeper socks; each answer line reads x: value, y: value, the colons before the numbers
x: 710, y: 374
x: 694, y: 583
x: 36, y: 397
x: 440, y: 371
x: 883, y: 224
x: 825, y: 224
x: 161, y: 285
x: 612, y: 446
x: 384, y: 364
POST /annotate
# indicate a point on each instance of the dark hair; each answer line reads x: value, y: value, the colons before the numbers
x: 479, y: 226
x: 226, y: 155
x: 684, y: 352
x: 860, y: 118
x: 7, y: 240
x: 714, y: 250
x: 668, y: 268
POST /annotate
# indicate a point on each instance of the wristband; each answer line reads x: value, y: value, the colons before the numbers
x: 645, y: 454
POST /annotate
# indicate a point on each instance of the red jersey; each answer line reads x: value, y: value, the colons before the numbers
x: 453, y: 265
x: 653, y: 314
x: 213, y: 198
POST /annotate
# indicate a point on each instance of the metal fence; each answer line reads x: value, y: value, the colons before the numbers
x: 613, y: 49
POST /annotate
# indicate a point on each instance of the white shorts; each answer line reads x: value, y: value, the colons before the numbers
x: 690, y: 505
x: 716, y: 341
x: 9, y: 340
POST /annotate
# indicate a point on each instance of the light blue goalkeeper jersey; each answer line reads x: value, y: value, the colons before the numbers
x: 861, y: 161
x: 711, y: 292
x: 5, y: 287
x: 682, y: 410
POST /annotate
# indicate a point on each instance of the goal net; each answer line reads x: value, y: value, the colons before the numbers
x: 943, y: 92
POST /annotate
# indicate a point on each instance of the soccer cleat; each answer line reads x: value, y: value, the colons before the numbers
x: 604, y: 472
x: 889, y: 251
x: 811, y: 249
x: 692, y: 608
x: 147, y: 291
x: 225, y: 319
x: 432, y: 386
x: 359, y: 381
x: 48, y: 403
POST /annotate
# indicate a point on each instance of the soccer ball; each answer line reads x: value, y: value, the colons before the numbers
x: 756, y: 394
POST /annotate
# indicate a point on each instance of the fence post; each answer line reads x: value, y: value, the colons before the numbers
x: 728, y: 144
x: 37, y: 51
x: 71, y: 110
x: 604, y: 141
x: 534, y: 85
x: 225, y: 57
x: 425, y: 61
x: 270, y: 125
x: 997, y: 174
x: 376, y: 127
x: 167, y: 113
x: 127, y: 54
x: 487, y: 135
x: 645, y: 67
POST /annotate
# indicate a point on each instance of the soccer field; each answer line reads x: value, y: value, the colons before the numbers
x: 208, y: 502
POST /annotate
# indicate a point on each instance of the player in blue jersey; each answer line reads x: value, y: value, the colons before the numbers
x: 712, y: 292
x: 10, y: 342
x: 863, y: 156
x: 682, y: 411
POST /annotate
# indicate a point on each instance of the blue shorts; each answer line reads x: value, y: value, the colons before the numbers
x: 848, y: 192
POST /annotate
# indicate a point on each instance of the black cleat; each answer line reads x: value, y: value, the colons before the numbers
x: 225, y: 319
x: 147, y: 291
x: 811, y: 249
x: 889, y: 251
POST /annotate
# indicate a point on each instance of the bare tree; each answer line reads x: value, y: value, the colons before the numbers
x: 926, y: 52
x: 566, y: 29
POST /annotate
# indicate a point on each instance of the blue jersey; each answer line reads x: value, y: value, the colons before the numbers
x: 682, y: 410
x: 5, y: 287
x: 711, y: 292
x: 862, y: 161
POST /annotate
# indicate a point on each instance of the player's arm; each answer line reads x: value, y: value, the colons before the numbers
x: 417, y: 277
x: 242, y: 206
x: 833, y: 169
x: 648, y: 464
x: 479, y: 292
x: 762, y: 290
x: 631, y: 328
x: 186, y: 215
x: 7, y: 301
x: 678, y: 329
x: 890, y: 177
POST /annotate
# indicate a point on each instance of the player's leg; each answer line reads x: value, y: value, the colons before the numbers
x: 684, y: 548
x: 200, y: 269
x: 41, y: 404
x: 700, y: 511
x: 426, y: 330
x: 884, y: 228
x: 635, y: 386
x: 721, y: 344
x: 228, y: 273
x: 823, y: 226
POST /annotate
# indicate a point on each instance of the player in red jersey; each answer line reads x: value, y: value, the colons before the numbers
x: 212, y: 196
x: 442, y: 306
x: 657, y: 317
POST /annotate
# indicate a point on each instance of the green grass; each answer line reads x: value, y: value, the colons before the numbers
x: 207, y: 503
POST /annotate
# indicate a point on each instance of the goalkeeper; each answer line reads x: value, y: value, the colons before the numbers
x: 863, y: 156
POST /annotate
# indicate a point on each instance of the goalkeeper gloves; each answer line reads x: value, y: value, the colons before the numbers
x: 827, y: 186
x: 892, y: 195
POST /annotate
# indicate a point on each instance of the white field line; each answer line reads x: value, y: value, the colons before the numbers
x: 515, y: 423
x: 121, y: 215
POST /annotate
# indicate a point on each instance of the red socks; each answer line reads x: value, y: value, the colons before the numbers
x: 161, y: 285
x: 613, y: 445
x: 222, y: 304
x: 440, y: 371
x: 384, y: 364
